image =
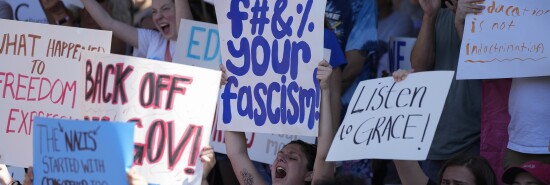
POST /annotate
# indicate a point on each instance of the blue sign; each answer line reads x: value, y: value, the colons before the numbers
x: 81, y: 152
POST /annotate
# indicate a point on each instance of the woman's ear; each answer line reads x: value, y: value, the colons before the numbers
x: 309, y: 176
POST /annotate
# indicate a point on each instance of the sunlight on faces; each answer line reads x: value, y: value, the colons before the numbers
x: 164, y: 17
x: 290, y: 166
x: 457, y: 175
x: 525, y: 178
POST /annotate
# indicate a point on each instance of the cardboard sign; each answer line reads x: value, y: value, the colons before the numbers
x: 271, y: 50
x: 198, y: 45
x: 39, y: 76
x: 172, y: 105
x: 261, y: 147
x: 81, y: 152
x: 388, y: 120
x: 507, y: 40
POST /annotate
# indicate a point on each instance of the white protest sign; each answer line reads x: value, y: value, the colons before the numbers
x: 172, y: 104
x: 261, y: 147
x: 28, y: 11
x: 271, y: 50
x: 198, y: 45
x: 400, y: 53
x: 39, y: 76
x: 507, y: 40
x: 388, y: 120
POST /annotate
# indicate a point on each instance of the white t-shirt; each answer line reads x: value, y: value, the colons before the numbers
x: 152, y: 45
x: 529, y: 107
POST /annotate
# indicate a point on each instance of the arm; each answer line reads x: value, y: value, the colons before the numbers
x: 245, y: 171
x: 335, y: 94
x: 5, y: 177
x: 410, y: 172
x: 121, y: 30
x: 208, y: 160
x: 29, y: 177
x: 466, y: 7
x: 323, y: 170
x: 182, y: 11
x: 356, y: 60
x: 423, y: 53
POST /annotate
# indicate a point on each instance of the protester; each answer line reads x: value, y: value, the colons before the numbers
x: 5, y: 10
x: 437, y: 48
x: 298, y: 162
x: 529, y: 173
x: 471, y: 170
x: 158, y: 45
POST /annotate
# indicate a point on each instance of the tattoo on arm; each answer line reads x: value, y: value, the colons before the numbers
x: 247, y: 177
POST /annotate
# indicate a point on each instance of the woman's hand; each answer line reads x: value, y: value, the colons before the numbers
x: 401, y: 74
x: 324, y: 70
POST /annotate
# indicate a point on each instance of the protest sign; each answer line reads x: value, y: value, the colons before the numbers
x: 400, y: 53
x: 39, y: 76
x: 271, y: 61
x: 28, y: 11
x: 506, y: 40
x: 261, y: 147
x: 198, y: 45
x: 81, y: 152
x: 389, y: 120
x: 172, y: 105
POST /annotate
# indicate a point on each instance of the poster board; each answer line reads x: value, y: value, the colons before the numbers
x: 507, y: 40
x: 198, y: 45
x: 81, y: 152
x: 271, y: 65
x: 172, y: 105
x: 389, y: 120
x: 39, y: 73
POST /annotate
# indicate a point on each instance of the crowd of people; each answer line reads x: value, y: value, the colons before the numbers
x: 358, y: 33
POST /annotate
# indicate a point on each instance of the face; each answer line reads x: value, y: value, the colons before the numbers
x: 164, y: 18
x: 525, y: 178
x: 290, y: 166
x: 457, y: 175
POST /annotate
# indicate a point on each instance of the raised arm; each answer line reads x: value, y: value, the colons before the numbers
x: 235, y: 144
x: 323, y: 170
x: 466, y: 7
x: 182, y: 11
x: 410, y: 172
x: 121, y: 30
x: 423, y: 53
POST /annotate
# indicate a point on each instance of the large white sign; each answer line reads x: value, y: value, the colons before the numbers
x: 507, y: 40
x: 198, y: 45
x: 172, y: 105
x: 389, y: 120
x: 271, y: 50
x: 39, y: 76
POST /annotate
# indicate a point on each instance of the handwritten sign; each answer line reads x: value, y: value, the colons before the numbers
x: 271, y: 50
x: 388, y: 120
x: 81, y: 152
x: 261, y: 147
x: 507, y: 40
x: 172, y: 105
x: 400, y: 53
x: 198, y: 45
x: 39, y: 76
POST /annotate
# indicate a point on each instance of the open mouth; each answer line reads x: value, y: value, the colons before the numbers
x: 165, y: 28
x: 280, y: 172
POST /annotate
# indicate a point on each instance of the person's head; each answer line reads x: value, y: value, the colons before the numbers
x: 294, y: 163
x: 529, y: 173
x: 164, y: 17
x: 467, y: 170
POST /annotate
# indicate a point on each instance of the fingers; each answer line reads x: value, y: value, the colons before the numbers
x: 401, y: 74
x: 224, y: 75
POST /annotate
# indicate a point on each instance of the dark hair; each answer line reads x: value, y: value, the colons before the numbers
x: 347, y: 179
x: 479, y: 166
x: 310, y: 150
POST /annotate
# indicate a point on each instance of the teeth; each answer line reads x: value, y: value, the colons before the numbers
x: 280, y: 168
